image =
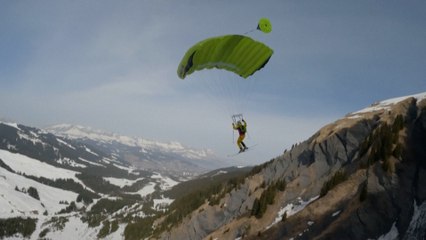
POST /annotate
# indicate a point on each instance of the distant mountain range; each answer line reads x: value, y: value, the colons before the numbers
x: 170, y: 157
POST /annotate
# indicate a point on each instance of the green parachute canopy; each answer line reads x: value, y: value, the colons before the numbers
x: 236, y: 53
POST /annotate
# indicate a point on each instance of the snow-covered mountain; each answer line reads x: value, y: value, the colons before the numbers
x: 55, y: 187
x: 140, y: 152
x: 81, y: 132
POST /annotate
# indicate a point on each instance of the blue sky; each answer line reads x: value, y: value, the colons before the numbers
x: 112, y: 65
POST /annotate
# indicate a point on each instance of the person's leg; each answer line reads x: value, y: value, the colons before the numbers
x: 242, y: 143
x: 239, y: 142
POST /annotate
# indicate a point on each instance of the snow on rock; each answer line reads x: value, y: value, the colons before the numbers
x: 336, y: 213
x: 386, y: 104
x: 416, y: 229
x: 14, y: 125
x: 291, y: 209
x: 391, y: 235
x: 350, y: 119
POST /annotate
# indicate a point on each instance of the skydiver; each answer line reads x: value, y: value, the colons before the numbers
x: 241, y: 126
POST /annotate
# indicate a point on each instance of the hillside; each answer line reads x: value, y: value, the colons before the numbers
x: 58, y: 187
x: 360, y: 177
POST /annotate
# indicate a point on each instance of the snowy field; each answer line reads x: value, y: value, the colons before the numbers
x: 165, y: 182
x: 14, y: 203
x: 121, y: 182
x: 34, y: 167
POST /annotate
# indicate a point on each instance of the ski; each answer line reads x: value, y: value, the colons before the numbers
x: 238, y: 153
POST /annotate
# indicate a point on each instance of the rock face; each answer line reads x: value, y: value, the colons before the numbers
x: 360, y: 177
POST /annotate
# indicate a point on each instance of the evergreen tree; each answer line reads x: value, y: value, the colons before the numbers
x: 32, y: 191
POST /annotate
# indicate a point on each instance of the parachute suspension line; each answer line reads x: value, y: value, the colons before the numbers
x: 220, y: 87
x: 246, y: 33
x: 233, y: 136
x: 238, y: 90
x: 264, y: 25
x: 234, y: 94
x: 247, y: 92
x: 228, y: 92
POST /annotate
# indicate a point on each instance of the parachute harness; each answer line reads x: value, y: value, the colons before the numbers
x: 235, y: 119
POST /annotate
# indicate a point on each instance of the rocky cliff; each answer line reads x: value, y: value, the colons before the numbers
x: 360, y: 177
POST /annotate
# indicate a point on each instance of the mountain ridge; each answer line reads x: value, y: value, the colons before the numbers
x: 81, y: 132
x: 140, y: 152
x: 364, y: 172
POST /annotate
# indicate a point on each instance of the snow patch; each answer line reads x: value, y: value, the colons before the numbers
x: 14, y: 125
x: 90, y: 151
x: 148, y: 189
x: 90, y: 162
x: 162, y: 203
x: 391, y: 235
x: 335, y: 213
x: 219, y: 173
x: 417, y: 223
x: 32, y: 139
x: 74, y: 229
x: 31, y: 166
x: 70, y: 162
x: 65, y: 143
x: 128, y: 169
x: 166, y: 183
x: 386, y: 104
x: 16, y: 203
x: 121, y: 182
x: 291, y: 209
